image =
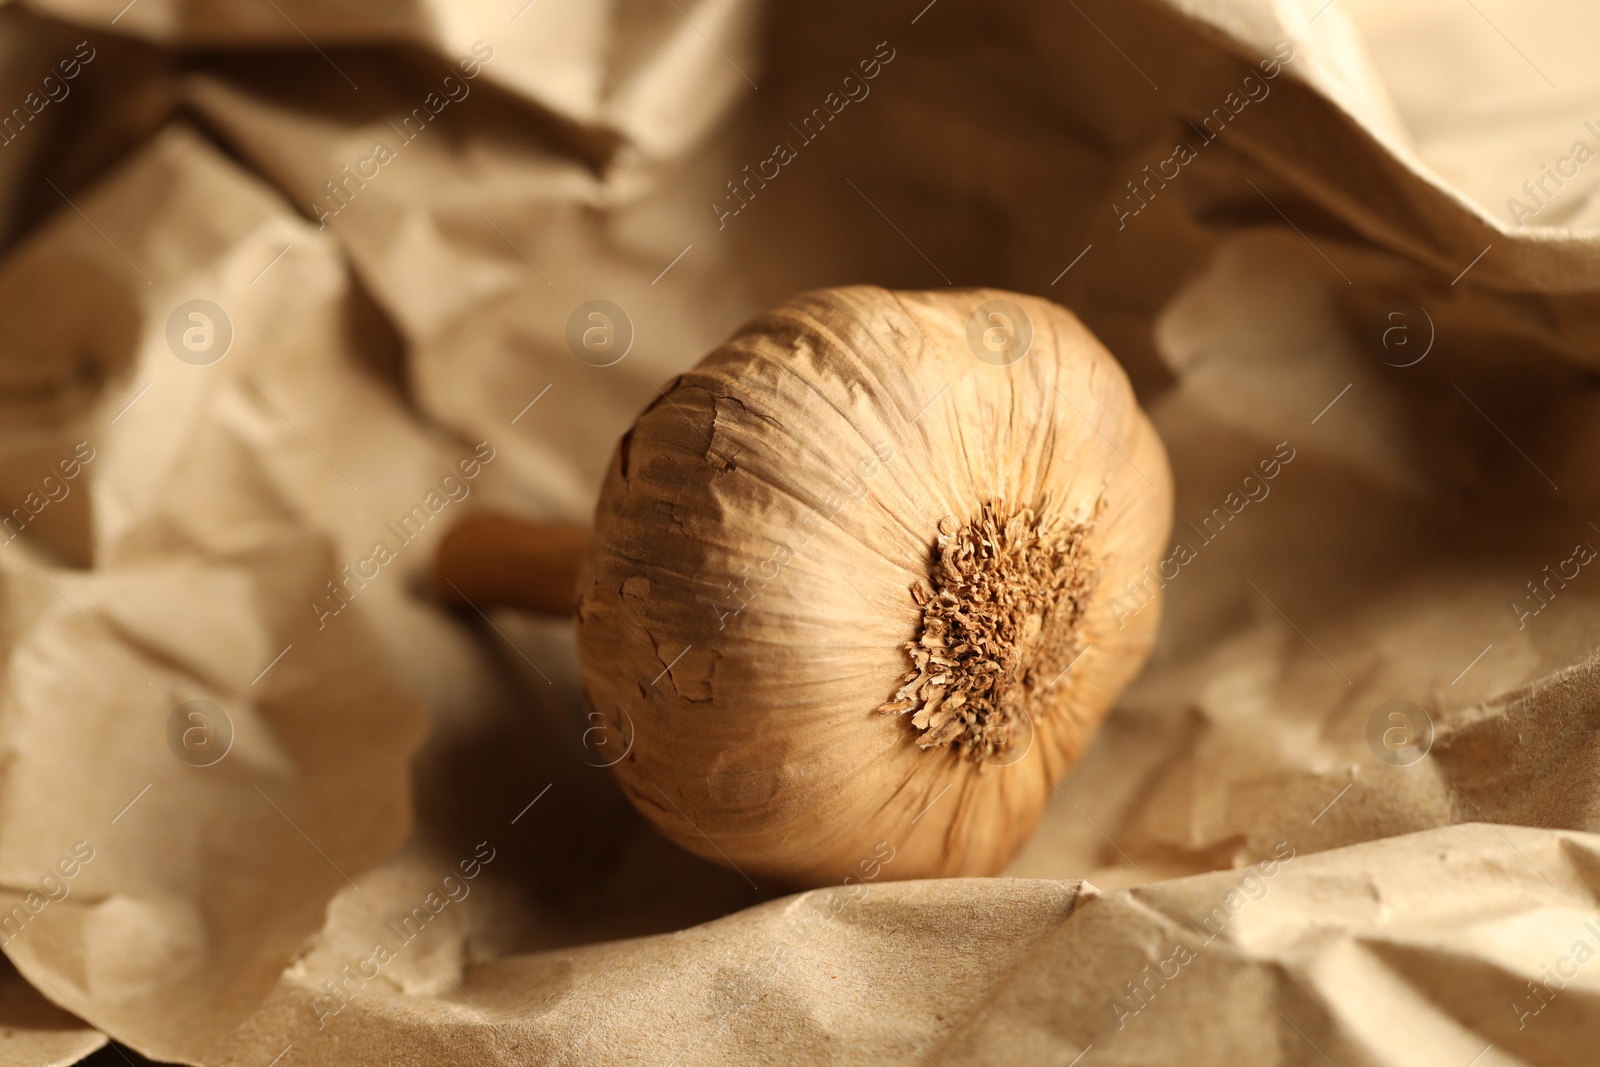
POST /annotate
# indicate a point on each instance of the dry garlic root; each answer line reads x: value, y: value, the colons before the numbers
x: 849, y: 583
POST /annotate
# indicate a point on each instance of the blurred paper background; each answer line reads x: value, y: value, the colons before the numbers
x: 274, y: 272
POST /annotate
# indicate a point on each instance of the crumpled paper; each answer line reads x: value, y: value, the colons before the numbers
x: 1347, y: 815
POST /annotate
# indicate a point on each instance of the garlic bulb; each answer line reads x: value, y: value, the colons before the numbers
x: 851, y: 582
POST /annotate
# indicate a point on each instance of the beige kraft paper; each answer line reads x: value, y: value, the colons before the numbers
x: 1346, y: 815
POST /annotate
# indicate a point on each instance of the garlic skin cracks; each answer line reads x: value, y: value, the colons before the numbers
x: 848, y: 584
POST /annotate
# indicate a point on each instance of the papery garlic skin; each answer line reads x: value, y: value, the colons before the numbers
x: 747, y: 600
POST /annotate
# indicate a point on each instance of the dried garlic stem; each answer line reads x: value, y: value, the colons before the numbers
x: 492, y: 560
x: 1000, y: 622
